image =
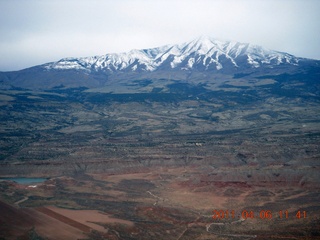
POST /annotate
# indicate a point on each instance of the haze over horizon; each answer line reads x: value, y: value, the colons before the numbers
x: 36, y: 32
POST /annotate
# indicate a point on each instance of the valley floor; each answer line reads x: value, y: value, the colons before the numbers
x: 189, y: 202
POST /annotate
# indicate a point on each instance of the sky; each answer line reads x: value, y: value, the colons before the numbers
x: 34, y: 32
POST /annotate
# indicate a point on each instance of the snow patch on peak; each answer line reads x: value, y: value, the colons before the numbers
x: 67, y: 63
x: 252, y: 61
x: 204, y: 52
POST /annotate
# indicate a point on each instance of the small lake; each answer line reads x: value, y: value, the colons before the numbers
x: 25, y: 181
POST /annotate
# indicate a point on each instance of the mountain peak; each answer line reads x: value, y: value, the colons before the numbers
x: 206, y: 39
x: 201, y: 45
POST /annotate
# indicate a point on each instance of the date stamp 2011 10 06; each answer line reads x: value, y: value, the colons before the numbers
x: 262, y: 214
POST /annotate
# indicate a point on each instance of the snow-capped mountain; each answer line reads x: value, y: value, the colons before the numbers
x: 203, y: 59
x: 203, y: 53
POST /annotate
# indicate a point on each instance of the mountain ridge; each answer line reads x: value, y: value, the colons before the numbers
x: 204, y: 58
x: 203, y: 50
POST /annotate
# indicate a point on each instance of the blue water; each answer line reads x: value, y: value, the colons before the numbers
x: 26, y: 181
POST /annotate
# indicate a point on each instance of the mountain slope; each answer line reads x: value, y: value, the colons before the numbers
x: 201, y: 58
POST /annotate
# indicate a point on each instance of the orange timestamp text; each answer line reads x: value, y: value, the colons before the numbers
x: 262, y: 214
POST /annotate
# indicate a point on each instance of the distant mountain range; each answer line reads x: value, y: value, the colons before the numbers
x: 201, y: 58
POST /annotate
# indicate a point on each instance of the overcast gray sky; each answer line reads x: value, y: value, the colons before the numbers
x: 33, y: 32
